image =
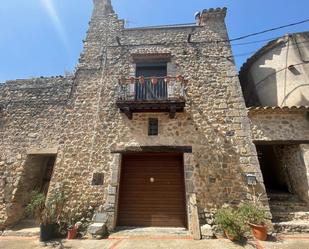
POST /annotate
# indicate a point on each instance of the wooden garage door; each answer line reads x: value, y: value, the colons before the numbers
x: 152, y: 191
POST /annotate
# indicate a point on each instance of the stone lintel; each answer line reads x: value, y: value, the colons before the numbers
x: 280, y: 142
x: 158, y: 149
x: 44, y: 151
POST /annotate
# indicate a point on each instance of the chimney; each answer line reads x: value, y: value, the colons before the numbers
x: 102, y: 7
x: 210, y: 15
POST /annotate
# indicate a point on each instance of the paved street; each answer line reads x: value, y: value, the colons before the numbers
x: 287, y: 242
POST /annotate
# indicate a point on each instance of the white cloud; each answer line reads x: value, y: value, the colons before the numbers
x: 51, y: 11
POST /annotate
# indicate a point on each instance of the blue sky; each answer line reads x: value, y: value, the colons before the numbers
x: 44, y: 37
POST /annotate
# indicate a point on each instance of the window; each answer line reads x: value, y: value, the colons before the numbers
x: 153, y: 127
x: 97, y: 179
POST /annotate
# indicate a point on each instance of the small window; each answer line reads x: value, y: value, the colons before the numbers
x: 97, y: 179
x: 153, y: 127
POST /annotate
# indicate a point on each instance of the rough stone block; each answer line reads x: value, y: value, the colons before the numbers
x: 97, y: 229
x: 206, y: 232
x: 111, y: 190
x: 100, y: 217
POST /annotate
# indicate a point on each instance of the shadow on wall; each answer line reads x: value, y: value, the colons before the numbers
x: 263, y: 92
x: 260, y: 80
x: 303, y: 100
x: 36, y: 175
x: 266, y: 89
x: 292, y: 160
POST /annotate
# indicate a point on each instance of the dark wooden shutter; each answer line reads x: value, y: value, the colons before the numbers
x: 148, y: 91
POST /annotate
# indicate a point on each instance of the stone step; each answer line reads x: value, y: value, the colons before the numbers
x: 294, y: 226
x: 288, y: 216
x: 25, y: 228
x: 280, y: 206
x: 283, y: 197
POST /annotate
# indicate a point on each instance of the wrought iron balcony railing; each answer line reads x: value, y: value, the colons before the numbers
x: 163, y: 94
x: 155, y: 88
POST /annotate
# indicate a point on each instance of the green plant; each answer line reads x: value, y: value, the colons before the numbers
x: 36, y: 206
x: 46, y: 212
x: 55, y: 204
x: 252, y: 213
x: 230, y: 221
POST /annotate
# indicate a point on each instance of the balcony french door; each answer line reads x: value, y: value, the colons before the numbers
x: 151, y: 89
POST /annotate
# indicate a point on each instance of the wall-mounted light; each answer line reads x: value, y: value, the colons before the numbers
x: 251, y: 179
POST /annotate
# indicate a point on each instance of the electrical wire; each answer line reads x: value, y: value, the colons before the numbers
x: 253, y: 42
x: 257, y: 84
x: 268, y: 30
x: 274, y: 50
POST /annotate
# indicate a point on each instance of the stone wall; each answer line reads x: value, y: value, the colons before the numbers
x: 214, y: 109
x: 285, y: 125
x: 295, y: 164
x: 288, y: 130
x: 214, y: 122
x: 32, y: 114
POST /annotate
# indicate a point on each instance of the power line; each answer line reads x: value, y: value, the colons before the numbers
x: 274, y: 50
x: 253, y: 42
x: 268, y: 30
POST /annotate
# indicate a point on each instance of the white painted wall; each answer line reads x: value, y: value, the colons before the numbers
x: 275, y: 83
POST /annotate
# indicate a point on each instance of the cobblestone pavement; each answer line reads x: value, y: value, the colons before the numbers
x: 287, y: 242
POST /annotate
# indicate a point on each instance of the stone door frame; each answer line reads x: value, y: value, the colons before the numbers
x: 191, y: 205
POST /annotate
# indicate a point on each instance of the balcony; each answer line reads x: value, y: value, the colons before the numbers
x: 155, y: 94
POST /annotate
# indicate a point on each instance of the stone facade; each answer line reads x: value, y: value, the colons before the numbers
x: 275, y: 86
x: 32, y: 116
x: 287, y: 129
x: 279, y: 124
x: 78, y: 118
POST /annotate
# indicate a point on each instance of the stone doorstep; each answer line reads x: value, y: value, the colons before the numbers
x: 27, y: 232
x: 149, y: 232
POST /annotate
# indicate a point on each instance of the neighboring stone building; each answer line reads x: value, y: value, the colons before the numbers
x: 275, y: 82
x: 152, y: 129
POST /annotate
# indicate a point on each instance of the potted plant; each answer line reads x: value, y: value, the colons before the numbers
x: 37, y: 208
x: 47, y: 213
x: 255, y: 216
x: 229, y: 221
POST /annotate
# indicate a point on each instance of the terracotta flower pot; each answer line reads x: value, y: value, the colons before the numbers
x: 72, y: 233
x: 141, y: 80
x: 229, y: 236
x: 154, y: 80
x: 132, y: 80
x: 179, y: 78
x: 259, y: 231
x: 167, y: 79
